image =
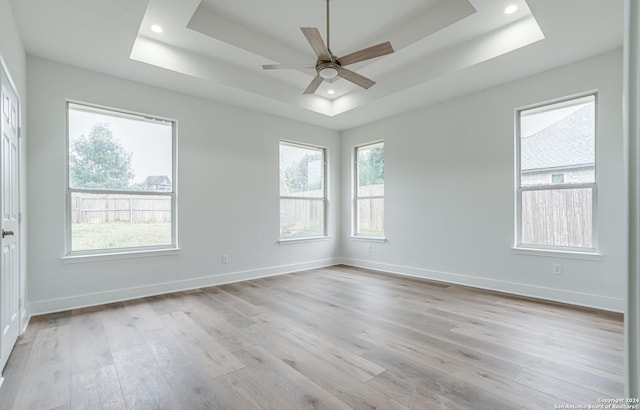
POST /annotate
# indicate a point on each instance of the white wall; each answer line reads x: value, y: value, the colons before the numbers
x: 13, y: 54
x: 449, y: 183
x: 449, y: 192
x: 227, y: 193
x: 11, y: 46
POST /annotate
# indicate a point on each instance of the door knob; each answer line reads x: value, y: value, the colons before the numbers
x: 6, y: 233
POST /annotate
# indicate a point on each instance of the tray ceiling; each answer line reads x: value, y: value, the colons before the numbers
x: 215, y: 48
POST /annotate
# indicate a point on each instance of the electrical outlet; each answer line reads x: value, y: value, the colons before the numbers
x: 225, y: 258
x: 557, y: 269
x: 369, y: 249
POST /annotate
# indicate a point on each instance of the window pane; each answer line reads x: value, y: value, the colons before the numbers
x: 558, y: 217
x: 110, y: 150
x: 557, y: 143
x: 370, y: 170
x: 105, y: 221
x: 301, y: 171
x: 370, y: 216
x: 557, y: 178
x: 301, y: 217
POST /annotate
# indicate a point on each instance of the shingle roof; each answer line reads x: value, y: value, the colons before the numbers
x: 569, y: 142
x: 155, y: 180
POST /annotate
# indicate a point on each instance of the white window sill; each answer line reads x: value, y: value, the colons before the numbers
x: 119, y: 255
x: 379, y: 239
x: 553, y: 253
x: 291, y: 241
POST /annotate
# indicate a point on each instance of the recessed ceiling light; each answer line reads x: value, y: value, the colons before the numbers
x: 511, y: 9
x: 156, y: 28
x: 331, y: 92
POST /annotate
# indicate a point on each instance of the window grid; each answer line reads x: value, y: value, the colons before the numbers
x: 128, y: 239
x: 303, y: 209
x: 368, y: 205
x: 579, y: 197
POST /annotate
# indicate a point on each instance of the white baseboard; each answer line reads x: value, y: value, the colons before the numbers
x: 521, y: 289
x: 100, y: 298
x: 539, y: 292
x: 24, y: 322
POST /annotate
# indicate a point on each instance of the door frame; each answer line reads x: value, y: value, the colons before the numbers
x: 23, y: 318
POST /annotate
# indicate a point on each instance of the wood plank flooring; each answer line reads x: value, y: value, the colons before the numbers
x: 335, y: 338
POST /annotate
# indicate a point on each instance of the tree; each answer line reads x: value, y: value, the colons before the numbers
x: 371, y: 166
x: 296, y: 175
x: 99, y: 161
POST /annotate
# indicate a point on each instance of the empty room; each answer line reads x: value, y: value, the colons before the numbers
x: 320, y: 204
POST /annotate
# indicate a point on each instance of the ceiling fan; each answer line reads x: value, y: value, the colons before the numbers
x: 328, y: 66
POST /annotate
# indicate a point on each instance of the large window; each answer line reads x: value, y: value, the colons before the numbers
x: 121, y: 181
x: 302, y: 190
x: 556, y: 175
x: 369, y: 190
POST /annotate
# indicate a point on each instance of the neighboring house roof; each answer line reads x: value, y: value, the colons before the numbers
x: 568, y: 143
x: 156, y: 180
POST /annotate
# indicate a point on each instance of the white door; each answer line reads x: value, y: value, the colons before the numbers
x: 9, y: 210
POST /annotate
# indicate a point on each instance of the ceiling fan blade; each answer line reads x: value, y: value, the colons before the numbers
x: 366, y: 54
x: 356, y: 78
x: 315, y: 41
x: 315, y: 83
x: 287, y: 66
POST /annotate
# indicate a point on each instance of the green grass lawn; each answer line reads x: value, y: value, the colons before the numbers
x: 119, y: 235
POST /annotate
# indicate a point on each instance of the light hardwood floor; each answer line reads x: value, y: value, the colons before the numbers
x: 335, y: 338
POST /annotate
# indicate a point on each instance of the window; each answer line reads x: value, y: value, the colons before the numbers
x: 302, y: 190
x: 556, y: 178
x: 369, y: 190
x: 121, y: 181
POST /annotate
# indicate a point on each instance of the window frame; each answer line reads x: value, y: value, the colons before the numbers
x: 69, y: 191
x: 519, y: 189
x: 356, y: 197
x: 324, y: 198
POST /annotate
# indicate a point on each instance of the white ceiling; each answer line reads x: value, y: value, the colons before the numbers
x: 214, y: 49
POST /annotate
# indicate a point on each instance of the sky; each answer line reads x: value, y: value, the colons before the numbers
x: 530, y: 124
x: 150, y: 142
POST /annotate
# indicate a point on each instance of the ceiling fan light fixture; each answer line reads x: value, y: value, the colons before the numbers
x: 329, y: 71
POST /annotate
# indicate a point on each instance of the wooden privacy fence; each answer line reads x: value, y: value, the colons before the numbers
x: 558, y: 217
x: 301, y: 216
x: 371, y: 216
x: 371, y: 211
x: 98, y: 209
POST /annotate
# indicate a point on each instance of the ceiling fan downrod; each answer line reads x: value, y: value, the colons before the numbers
x: 328, y: 37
